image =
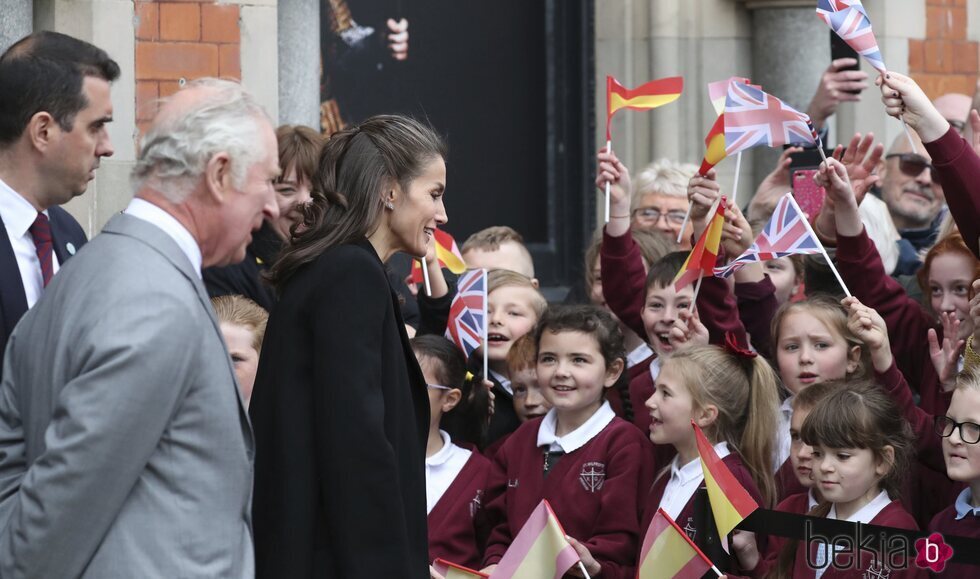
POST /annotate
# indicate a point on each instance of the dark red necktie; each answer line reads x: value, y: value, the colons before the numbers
x: 41, y: 233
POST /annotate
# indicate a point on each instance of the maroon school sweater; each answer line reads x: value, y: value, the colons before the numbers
x: 596, y: 492
x: 946, y: 524
x: 893, y: 515
x: 958, y: 169
x: 927, y: 490
x: 797, y: 504
x: 457, y: 526
x: 907, y: 321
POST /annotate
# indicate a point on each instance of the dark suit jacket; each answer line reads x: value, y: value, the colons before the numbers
x: 13, y: 302
x: 341, y: 415
x: 245, y: 278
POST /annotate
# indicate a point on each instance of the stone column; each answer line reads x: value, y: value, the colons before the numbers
x: 299, y: 62
x: 16, y: 21
x: 790, y: 51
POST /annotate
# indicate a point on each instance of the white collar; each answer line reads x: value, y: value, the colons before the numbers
x: 504, y: 381
x: 787, y: 407
x: 692, y: 470
x: 638, y: 355
x: 445, y: 453
x: 143, y: 209
x: 868, y: 511
x: 17, y: 212
x: 577, y: 438
x: 811, y: 500
x: 655, y: 368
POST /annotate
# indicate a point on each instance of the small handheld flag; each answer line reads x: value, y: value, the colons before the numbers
x: 849, y: 20
x: 539, y: 550
x: 454, y: 571
x: 467, y: 326
x: 701, y: 260
x: 448, y: 255
x: 785, y: 234
x: 730, y: 502
x: 668, y: 553
x: 647, y: 96
x: 650, y: 95
x: 754, y: 118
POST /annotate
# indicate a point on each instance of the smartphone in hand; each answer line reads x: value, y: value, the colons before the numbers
x: 807, y: 193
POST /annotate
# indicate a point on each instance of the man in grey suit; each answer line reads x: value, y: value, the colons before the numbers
x: 125, y: 448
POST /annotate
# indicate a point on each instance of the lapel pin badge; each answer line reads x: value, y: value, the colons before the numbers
x: 70, y: 247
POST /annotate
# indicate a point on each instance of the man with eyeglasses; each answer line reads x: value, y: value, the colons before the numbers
x: 914, y: 199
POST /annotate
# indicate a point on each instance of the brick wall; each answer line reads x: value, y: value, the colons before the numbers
x: 182, y: 39
x: 945, y: 61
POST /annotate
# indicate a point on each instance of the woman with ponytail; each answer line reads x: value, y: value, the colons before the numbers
x: 340, y: 410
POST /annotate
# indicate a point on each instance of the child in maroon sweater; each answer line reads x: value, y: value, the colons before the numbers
x: 455, y: 477
x: 732, y: 397
x: 862, y: 447
x: 592, y: 467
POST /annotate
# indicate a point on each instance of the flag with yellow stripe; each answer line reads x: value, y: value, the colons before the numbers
x: 668, y: 553
x: 650, y: 95
x: 540, y: 550
x: 730, y: 502
x: 448, y: 254
x: 701, y: 261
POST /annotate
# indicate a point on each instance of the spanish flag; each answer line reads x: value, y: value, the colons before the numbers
x: 539, y: 550
x: 454, y: 571
x: 701, y: 260
x: 730, y: 502
x: 715, y: 143
x: 448, y: 254
x: 668, y: 553
x: 651, y: 95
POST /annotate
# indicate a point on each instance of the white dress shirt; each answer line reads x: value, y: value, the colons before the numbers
x: 142, y: 209
x: 504, y: 381
x: 577, y: 438
x: 863, y: 515
x: 655, y: 369
x: 639, y: 354
x: 441, y: 469
x: 684, y: 480
x: 784, y: 441
x: 18, y: 215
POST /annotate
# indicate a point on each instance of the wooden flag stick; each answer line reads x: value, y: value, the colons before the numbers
x: 486, y: 327
x: 425, y: 277
x: 584, y: 572
x: 738, y: 170
x: 809, y: 230
x: 608, y: 183
x: 697, y: 288
x: 908, y: 135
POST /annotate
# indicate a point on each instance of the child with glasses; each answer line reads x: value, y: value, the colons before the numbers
x: 947, y: 443
x: 455, y: 477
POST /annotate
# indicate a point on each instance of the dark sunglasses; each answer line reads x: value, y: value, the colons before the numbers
x: 913, y: 165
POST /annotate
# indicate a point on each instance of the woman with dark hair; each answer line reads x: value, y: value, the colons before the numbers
x: 340, y: 409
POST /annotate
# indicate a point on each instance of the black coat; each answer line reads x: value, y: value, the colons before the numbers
x: 341, y: 415
x: 245, y: 278
x: 67, y: 238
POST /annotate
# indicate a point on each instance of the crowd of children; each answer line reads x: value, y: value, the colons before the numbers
x: 864, y: 409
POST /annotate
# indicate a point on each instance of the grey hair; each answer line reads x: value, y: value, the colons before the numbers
x: 175, y: 151
x: 665, y: 177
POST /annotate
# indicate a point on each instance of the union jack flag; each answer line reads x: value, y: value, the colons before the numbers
x: 467, y: 326
x: 754, y: 118
x: 850, y: 21
x: 787, y: 233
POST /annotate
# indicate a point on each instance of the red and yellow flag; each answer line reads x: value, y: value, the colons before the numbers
x: 539, y: 550
x: 730, y: 502
x: 448, y: 254
x: 647, y: 96
x: 701, y: 260
x: 668, y: 553
x: 454, y: 571
x: 715, y: 146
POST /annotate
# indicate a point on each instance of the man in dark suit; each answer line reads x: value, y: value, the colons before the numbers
x: 54, y: 107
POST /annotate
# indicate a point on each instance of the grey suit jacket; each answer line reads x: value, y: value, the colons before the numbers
x: 125, y: 448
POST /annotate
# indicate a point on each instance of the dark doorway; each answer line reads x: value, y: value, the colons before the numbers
x: 510, y: 83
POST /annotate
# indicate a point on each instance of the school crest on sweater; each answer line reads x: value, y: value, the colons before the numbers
x: 593, y: 476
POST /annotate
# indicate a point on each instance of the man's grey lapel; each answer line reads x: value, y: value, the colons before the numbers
x: 155, y: 238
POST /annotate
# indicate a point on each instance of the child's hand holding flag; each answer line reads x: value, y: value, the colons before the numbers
x: 612, y: 172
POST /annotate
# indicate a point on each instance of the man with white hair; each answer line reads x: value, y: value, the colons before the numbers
x: 125, y: 448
